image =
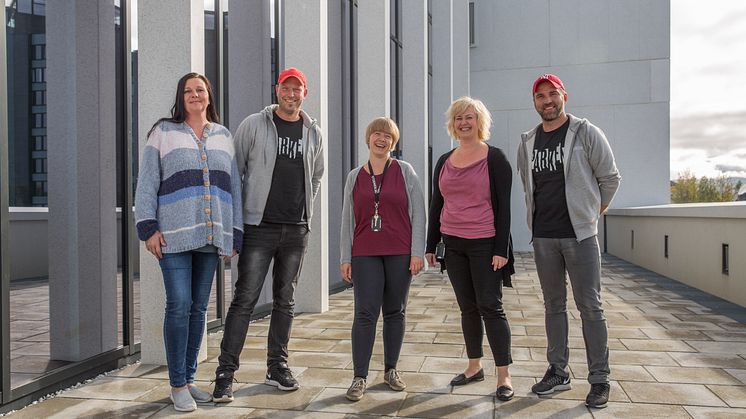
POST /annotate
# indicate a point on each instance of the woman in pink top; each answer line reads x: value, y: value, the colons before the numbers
x: 470, y: 212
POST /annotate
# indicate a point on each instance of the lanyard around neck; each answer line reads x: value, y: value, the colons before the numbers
x: 377, y: 187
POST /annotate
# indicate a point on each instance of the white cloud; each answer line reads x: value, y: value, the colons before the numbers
x: 708, y: 90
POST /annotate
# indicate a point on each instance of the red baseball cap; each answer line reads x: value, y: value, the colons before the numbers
x: 551, y: 78
x: 292, y: 72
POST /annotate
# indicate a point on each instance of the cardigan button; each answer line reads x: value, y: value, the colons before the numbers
x: 205, y: 170
x: 207, y: 210
x: 204, y: 156
x: 209, y: 223
x: 209, y: 237
x: 207, y: 183
x: 207, y: 197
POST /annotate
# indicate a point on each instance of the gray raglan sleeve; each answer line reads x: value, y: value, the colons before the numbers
x: 417, y: 206
x: 602, y: 162
x: 347, y: 230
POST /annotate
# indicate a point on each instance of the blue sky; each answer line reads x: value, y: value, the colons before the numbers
x: 708, y: 87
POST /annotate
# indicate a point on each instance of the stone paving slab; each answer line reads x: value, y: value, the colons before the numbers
x: 673, y: 354
x: 64, y: 408
x: 698, y: 412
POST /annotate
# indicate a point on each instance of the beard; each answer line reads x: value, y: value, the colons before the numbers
x: 289, y: 108
x: 551, y: 114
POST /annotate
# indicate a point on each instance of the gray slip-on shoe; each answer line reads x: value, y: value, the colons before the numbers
x: 183, y: 401
x: 199, y: 395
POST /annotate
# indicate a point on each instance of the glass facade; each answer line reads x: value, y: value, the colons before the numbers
x: 27, y: 118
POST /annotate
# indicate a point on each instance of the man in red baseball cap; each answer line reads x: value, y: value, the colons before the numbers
x: 569, y: 178
x: 279, y: 156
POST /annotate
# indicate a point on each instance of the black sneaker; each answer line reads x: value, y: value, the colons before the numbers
x: 598, y: 396
x: 223, y: 391
x: 551, y: 382
x: 279, y: 375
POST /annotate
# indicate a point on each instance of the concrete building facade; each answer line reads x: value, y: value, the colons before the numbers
x: 614, y: 58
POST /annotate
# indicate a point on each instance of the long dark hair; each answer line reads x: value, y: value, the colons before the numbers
x: 178, y: 113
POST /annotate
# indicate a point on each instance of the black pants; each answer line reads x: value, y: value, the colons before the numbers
x: 286, y: 244
x: 478, y: 291
x: 379, y: 282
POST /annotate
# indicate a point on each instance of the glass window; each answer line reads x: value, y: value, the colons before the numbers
x: 472, y: 30
x: 24, y: 6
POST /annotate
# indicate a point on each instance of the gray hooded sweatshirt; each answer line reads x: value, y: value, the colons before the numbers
x: 256, y: 151
x: 591, y: 175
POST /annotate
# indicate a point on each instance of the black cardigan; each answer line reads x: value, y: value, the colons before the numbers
x: 501, y: 180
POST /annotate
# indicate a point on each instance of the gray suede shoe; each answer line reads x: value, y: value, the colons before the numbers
x: 200, y: 396
x: 183, y: 401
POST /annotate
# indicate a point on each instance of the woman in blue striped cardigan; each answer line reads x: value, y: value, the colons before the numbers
x: 188, y: 213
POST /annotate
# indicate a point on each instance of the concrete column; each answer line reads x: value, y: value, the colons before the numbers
x: 305, y: 47
x: 82, y: 185
x: 336, y: 141
x: 171, y: 38
x: 249, y: 59
x: 450, y: 65
x: 414, y: 129
x: 461, y: 50
x: 374, y: 61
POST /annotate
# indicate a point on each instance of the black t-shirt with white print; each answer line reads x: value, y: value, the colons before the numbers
x: 286, y: 203
x: 551, y: 218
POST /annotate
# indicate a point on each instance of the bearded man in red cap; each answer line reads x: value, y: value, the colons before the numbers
x: 279, y: 156
x: 569, y: 177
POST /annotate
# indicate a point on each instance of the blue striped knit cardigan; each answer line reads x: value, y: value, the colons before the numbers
x: 189, y: 189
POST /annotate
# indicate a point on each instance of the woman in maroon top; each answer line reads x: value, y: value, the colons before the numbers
x: 382, y: 243
x: 470, y: 211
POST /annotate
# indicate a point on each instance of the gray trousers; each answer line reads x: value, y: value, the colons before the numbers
x: 582, y: 262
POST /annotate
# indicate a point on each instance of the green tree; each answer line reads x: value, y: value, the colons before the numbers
x: 684, y: 189
x: 726, y: 190
x: 687, y: 188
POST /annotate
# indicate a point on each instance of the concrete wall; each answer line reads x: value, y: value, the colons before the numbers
x: 614, y: 58
x: 696, y: 233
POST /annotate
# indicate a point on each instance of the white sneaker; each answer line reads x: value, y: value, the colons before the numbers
x: 183, y: 401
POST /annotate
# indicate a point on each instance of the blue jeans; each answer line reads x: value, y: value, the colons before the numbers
x: 582, y: 262
x: 286, y: 245
x: 187, y: 277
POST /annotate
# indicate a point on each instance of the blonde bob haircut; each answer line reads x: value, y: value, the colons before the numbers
x: 382, y: 124
x: 461, y: 105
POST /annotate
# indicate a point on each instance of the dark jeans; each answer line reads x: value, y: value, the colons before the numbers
x: 187, y: 277
x: 380, y: 282
x: 286, y: 244
x: 478, y: 291
x: 582, y: 261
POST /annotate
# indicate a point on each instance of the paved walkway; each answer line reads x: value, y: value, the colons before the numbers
x: 673, y: 354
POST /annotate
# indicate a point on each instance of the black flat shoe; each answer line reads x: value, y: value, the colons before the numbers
x: 461, y: 379
x: 504, y: 393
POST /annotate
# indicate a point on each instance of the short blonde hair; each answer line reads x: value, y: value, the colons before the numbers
x: 459, y: 106
x: 383, y: 124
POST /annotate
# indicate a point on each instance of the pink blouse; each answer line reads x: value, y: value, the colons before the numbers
x: 467, y: 204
